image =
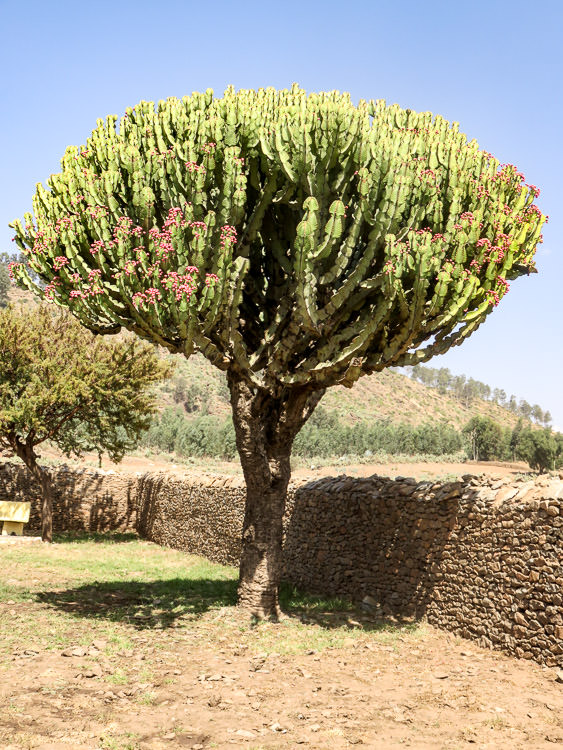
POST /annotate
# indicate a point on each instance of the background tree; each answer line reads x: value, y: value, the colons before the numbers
x: 485, y: 439
x: 61, y: 384
x: 524, y: 409
x: 539, y: 448
x: 297, y: 241
x: 444, y: 380
x: 4, y: 284
x: 515, y: 437
x: 537, y: 413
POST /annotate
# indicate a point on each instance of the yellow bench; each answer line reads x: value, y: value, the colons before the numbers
x: 14, y: 515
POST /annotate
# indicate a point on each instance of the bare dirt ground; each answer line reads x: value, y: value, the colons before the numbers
x: 123, y: 645
x: 309, y: 469
x: 319, y: 680
x: 428, y: 690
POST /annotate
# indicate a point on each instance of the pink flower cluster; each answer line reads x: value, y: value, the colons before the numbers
x: 192, y: 166
x: 148, y: 265
x: 59, y: 262
x: 228, y: 236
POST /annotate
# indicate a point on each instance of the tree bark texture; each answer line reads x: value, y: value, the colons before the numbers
x: 266, y: 424
x: 27, y: 455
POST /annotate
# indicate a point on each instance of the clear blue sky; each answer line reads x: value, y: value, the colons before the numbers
x: 496, y: 67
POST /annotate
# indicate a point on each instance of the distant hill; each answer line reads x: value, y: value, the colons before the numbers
x: 389, y: 395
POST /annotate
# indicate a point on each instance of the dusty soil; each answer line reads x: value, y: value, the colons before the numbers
x: 310, y: 470
x: 177, y: 690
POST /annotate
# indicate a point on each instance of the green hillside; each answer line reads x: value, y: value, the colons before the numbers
x: 389, y: 396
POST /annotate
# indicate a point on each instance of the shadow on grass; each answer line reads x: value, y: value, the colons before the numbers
x: 80, y: 537
x: 171, y: 603
x: 335, y: 612
x: 146, y: 605
x: 166, y: 603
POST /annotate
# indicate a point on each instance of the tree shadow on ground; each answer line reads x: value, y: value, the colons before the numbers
x: 80, y: 537
x: 149, y: 605
x: 144, y: 604
x: 171, y: 603
x: 330, y: 613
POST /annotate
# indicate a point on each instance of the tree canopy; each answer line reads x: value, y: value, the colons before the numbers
x: 323, y: 239
x: 61, y: 384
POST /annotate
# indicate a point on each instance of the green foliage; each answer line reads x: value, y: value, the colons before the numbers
x: 541, y: 449
x: 295, y: 239
x: 486, y: 440
x: 206, y: 436
x: 466, y: 390
x: 4, y: 284
x: 60, y: 383
x: 323, y: 436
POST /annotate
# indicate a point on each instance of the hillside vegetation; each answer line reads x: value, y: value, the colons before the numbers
x: 386, y: 396
x: 198, y: 388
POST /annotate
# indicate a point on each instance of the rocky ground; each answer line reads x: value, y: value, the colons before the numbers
x: 113, y: 643
x: 428, y: 690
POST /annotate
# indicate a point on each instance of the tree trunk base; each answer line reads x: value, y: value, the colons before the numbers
x: 265, y: 427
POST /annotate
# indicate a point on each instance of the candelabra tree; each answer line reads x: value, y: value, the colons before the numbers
x: 297, y: 241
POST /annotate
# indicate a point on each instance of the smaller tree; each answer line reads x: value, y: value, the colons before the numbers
x: 539, y: 448
x: 4, y: 284
x: 60, y: 383
x: 537, y: 413
x: 525, y: 409
x: 485, y: 439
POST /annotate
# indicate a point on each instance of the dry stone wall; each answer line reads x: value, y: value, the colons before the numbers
x: 479, y: 557
x: 84, y: 499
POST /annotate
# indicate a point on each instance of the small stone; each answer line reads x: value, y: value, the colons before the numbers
x: 440, y: 675
x: 314, y: 727
x: 559, y: 676
x: 245, y: 733
x: 74, y: 651
x: 95, y: 671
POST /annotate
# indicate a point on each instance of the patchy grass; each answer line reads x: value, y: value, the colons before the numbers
x: 111, y: 587
x: 167, y: 660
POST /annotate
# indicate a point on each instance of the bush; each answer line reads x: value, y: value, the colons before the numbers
x: 540, y: 449
x: 206, y: 436
x: 486, y: 440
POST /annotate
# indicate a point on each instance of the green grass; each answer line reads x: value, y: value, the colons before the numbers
x: 117, y: 587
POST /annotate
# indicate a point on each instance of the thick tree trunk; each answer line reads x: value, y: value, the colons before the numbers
x: 27, y: 455
x: 46, y: 507
x: 265, y: 425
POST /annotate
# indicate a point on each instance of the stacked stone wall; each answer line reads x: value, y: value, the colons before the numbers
x: 84, y: 499
x: 479, y: 557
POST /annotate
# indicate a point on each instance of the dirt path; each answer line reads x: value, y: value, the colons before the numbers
x: 173, y: 690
